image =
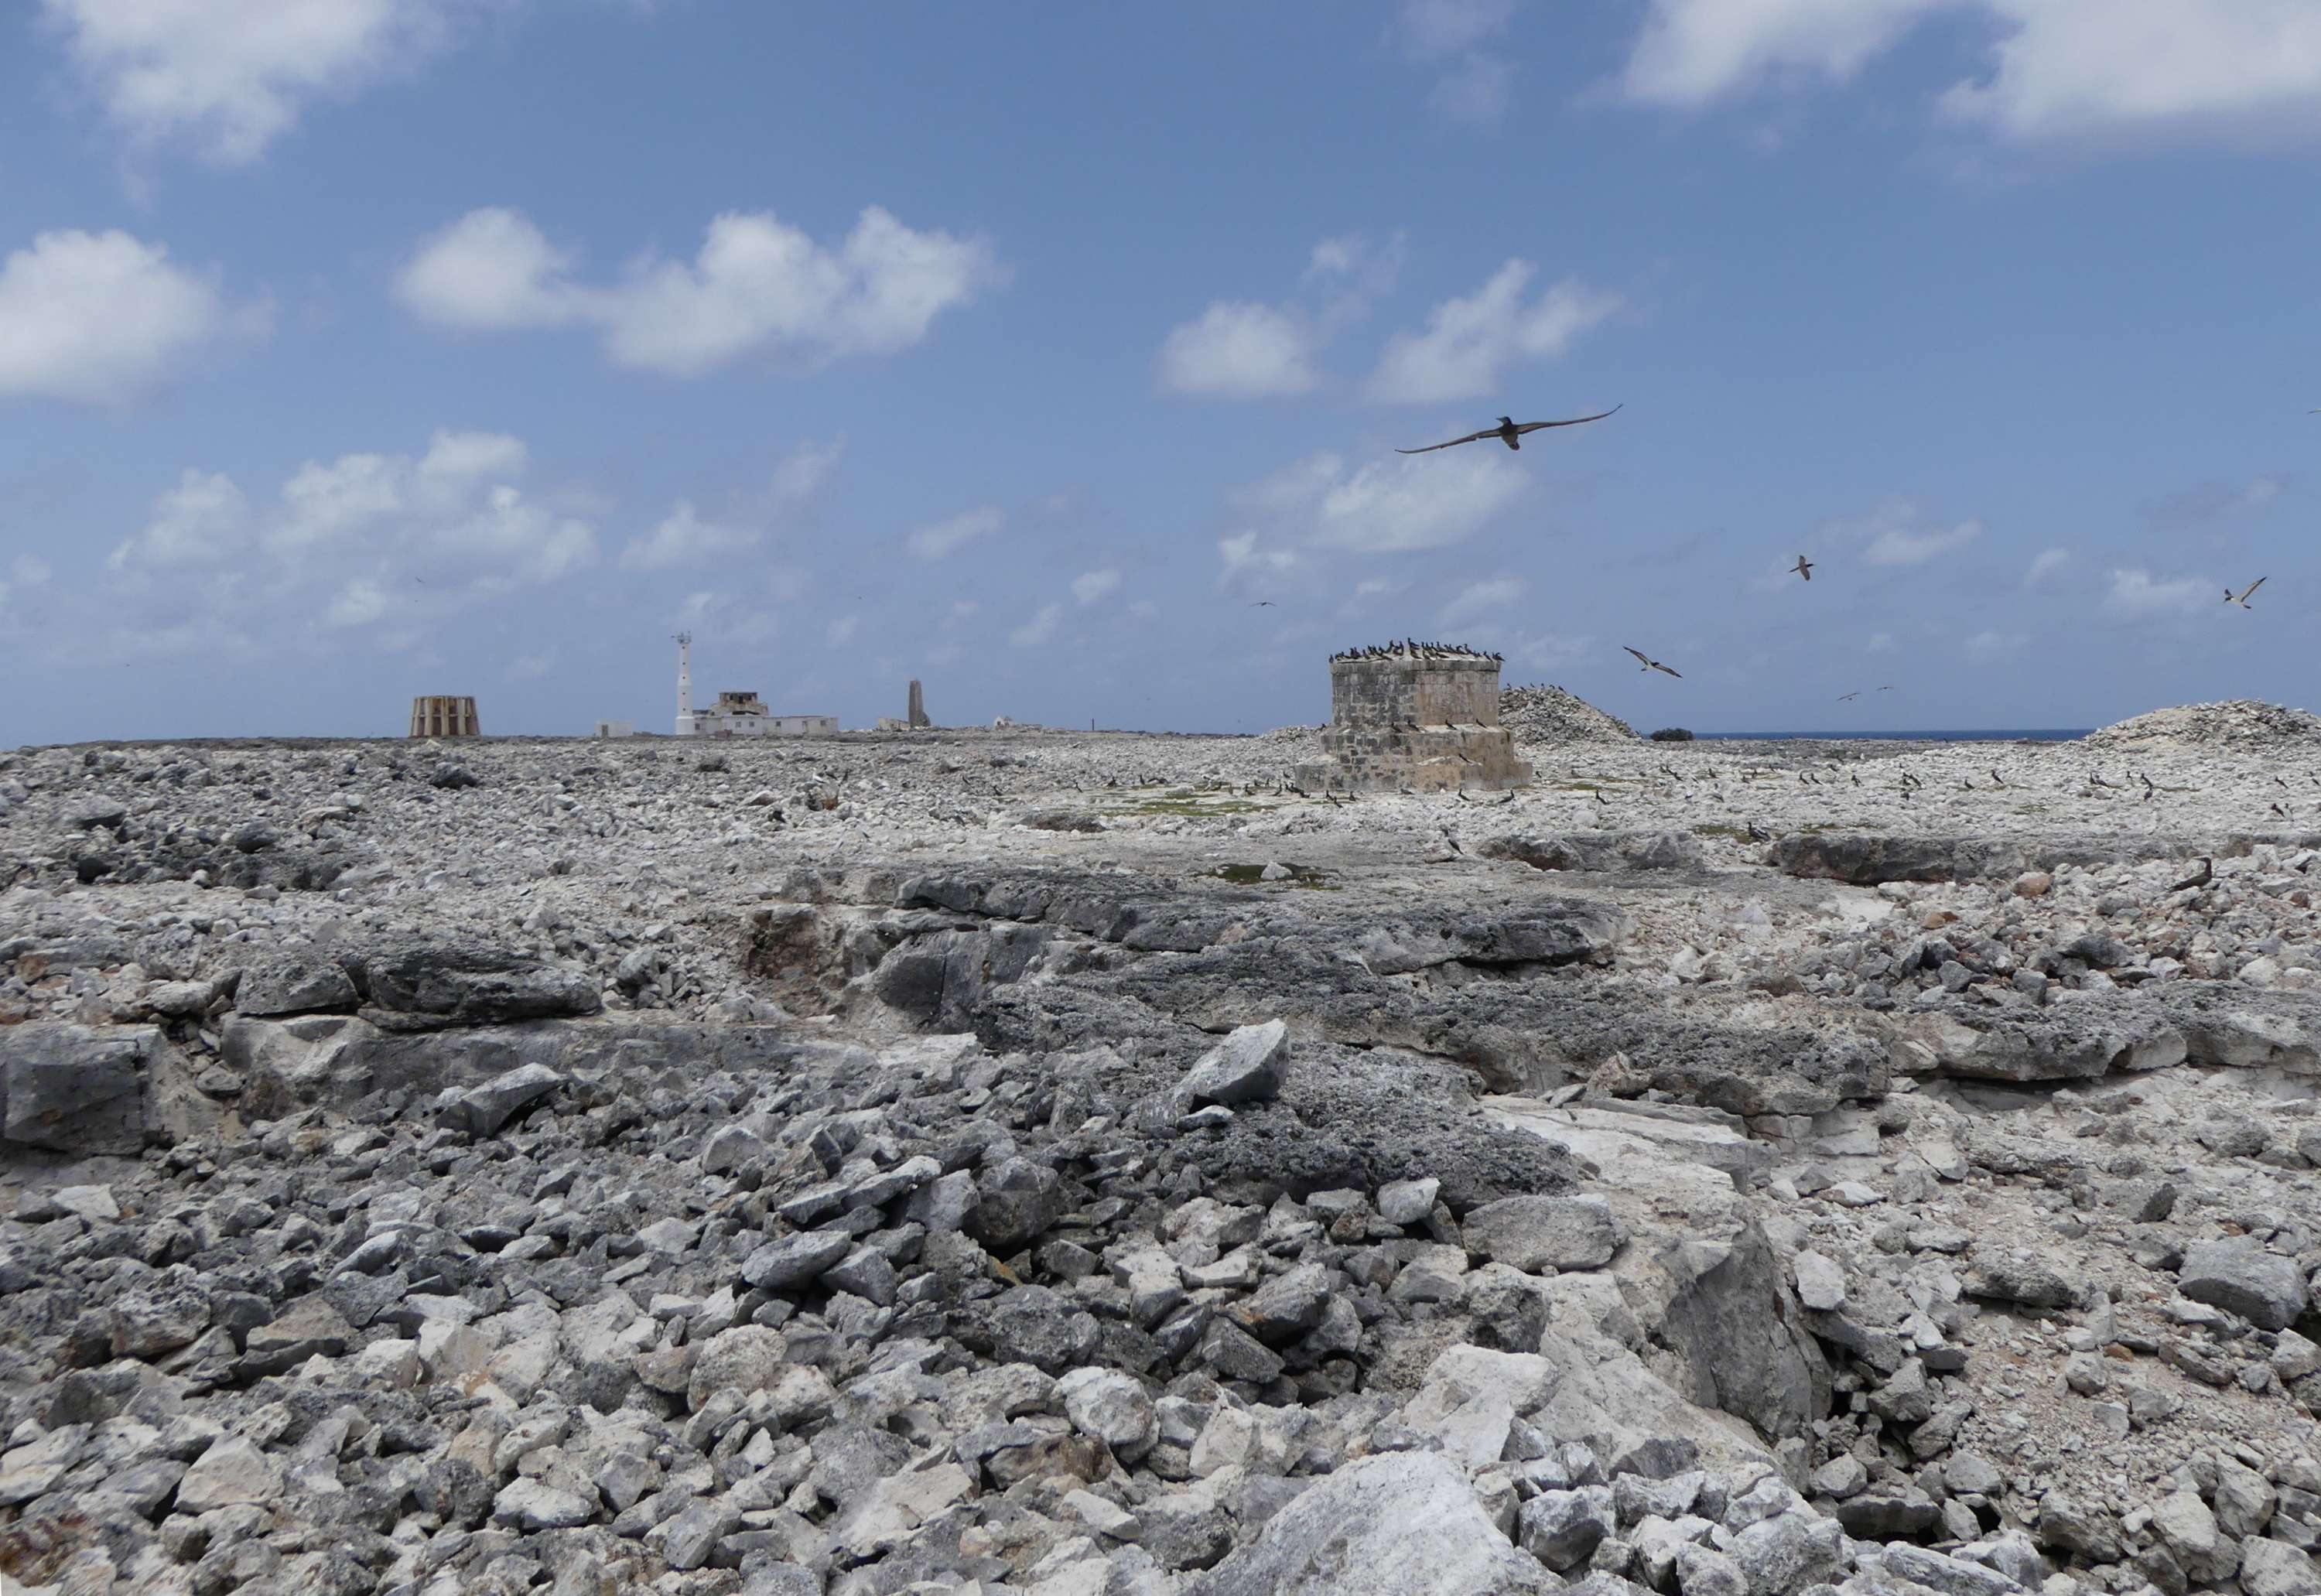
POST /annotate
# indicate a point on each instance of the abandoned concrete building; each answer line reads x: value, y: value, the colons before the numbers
x: 1414, y: 716
x: 444, y: 716
x: 744, y: 714
x: 736, y: 715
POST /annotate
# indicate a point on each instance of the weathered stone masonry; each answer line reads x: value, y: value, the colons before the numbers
x: 1415, y: 716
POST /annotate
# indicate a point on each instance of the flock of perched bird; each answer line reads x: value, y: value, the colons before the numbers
x: 1509, y: 431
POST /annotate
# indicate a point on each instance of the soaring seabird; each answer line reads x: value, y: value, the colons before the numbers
x: 1804, y: 568
x: 1507, y: 432
x: 1652, y: 664
x: 2241, y: 597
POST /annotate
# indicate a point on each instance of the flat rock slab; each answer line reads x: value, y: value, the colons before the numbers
x: 1401, y: 1524
x: 70, y: 1088
x: 1535, y: 1233
x: 2241, y: 1277
x: 1245, y: 1067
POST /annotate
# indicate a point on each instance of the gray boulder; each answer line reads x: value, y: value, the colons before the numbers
x: 1246, y: 1067
x: 1018, y: 1202
x: 1781, y: 1556
x: 2239, y: 1276
x: 794, y: 1260
x: 1949, y: 1576
x: 293, y: 983
x: 1394, y: 1524
x: 72, y: 1089
x: 1535, y: 1233
x: 482, y: 1110
x: 2273, y: 1568
x: 426, y: 985
x: 1562, y: 1529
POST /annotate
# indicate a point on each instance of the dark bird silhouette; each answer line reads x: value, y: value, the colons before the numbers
x: 1262, y: 604
x: 1652, y: 664
x: 1804, y: 568
x: 1885, y: 690
x: 1842, y: 698
x: 1507, y: 432
x: 2200, y: 878
x: 2241, y: 597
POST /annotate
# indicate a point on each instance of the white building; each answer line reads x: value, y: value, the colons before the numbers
x: 734, y: 714
x: 616, y: 728
x: 743, y: 715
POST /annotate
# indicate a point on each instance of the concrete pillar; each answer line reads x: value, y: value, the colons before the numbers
x: 918, y: 710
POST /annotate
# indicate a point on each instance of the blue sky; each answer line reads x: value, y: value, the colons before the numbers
x: 355, y: 348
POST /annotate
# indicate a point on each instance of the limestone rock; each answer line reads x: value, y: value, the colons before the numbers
x: 1246, y: 1067
x: 1535, y: 1233
x: 1402, y: 1523
x: 2239, y: 1276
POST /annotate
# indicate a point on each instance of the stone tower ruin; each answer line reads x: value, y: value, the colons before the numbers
x: 1416, y: 717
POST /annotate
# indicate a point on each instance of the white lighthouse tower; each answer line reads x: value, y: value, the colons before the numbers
x: 685, y: 727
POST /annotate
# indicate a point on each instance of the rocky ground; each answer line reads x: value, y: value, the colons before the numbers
x: 958, y: 1161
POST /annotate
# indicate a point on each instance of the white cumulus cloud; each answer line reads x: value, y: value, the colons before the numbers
x: 1897, y: 530
x: 758, y: 288
x: 1477, y: 598
x: 1917, y: 545
x: 2048, y: 560
x: 227, y: 77
x: 99, y: 318
x: 687, y: 537
x: 1468, y: 341
x: 390, y: 541
x: 1235, y: 349
x: 684, y: 538
x: 2134, y: 596
x: 1449, y: 34
x: 945, y: 537
x: 1039, y: 628
x: 1091, y: 586
x: 1238, y: 348
x: 2059, y: 68
x: 1385, y: 508
x: 1694, y: 51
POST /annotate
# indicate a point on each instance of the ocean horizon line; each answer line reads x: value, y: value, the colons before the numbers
x: 2038, y: 734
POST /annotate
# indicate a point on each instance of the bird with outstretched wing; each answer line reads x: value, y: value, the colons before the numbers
x: 1508, y: 432
x: 2241, y: 597
x: 1652, y: 664
x: 1804, y: 568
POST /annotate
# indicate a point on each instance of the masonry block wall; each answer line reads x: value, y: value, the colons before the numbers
x: 1415, y: 716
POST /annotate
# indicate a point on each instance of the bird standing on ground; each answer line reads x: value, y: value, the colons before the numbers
x: 2200, y: 878
x: 1652, y: 664
x: 2241, y: 597
x: 1804, y: 568
x: 1507, y: 432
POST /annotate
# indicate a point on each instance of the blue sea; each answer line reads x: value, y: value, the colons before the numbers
x: 2068, y: 735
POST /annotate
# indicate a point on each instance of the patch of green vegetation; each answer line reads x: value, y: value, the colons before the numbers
x: 1717, y: 831
x: 2030, y: 808
x: 1192, y: 809
x: 1300, y: 875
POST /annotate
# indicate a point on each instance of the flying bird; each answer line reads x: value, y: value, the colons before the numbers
x: 1841, y: 697
x: 2241, y: 597
x: 1652, y: 664
x: 1507, y: 432
x: 1262, y: 604
x: 1804, y: 568
x: 1885, y: 689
